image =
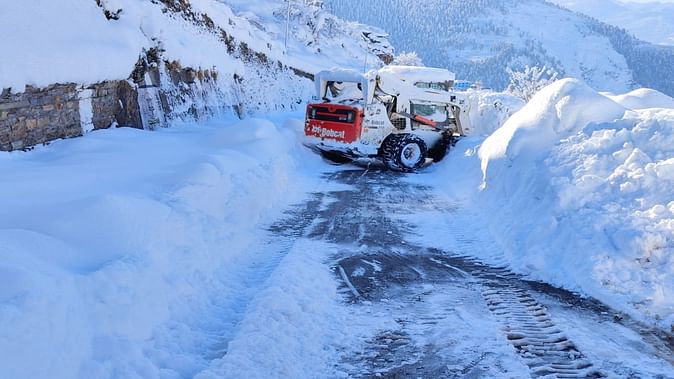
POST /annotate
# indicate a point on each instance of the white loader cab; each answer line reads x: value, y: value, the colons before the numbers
x: 403, y: 115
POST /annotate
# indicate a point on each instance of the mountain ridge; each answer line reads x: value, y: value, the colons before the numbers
x: 481, y: 39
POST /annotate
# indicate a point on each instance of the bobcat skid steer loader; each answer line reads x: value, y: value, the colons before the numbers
x: 405, y: 116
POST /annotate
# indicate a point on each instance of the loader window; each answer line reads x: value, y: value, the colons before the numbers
x: 440, y: 86
x: 431, y: 111
x: 325, y: 113
x: 343, y: 92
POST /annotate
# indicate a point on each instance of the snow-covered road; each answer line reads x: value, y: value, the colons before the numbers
x: 178, y: 254
x: 353, y: 283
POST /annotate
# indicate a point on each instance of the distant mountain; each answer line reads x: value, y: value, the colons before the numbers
x: 652, y: 22
x: 480, y: 39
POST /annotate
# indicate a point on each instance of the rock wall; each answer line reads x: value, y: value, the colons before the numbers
x: 160, y: 90
x: 40, y: 115
x: 157, y: 92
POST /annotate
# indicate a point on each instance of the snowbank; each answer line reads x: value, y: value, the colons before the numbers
x: 579, y: 192
x: 643, y: 98
x: 490, y: 110
x: 111, y: 245
x: 295, y: 327
x: 557, y: 111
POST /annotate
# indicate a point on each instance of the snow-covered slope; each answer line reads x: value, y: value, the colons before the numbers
x: 578, y: 187
x: 650, y: 21
x: 90, y: 41
x: 479, y: 39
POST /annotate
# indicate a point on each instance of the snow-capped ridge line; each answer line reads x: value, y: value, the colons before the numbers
x: 482, y: 39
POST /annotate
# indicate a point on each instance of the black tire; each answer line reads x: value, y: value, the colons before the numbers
x: 335, y: 158
x: 404, y: 152
x: 440, y: 149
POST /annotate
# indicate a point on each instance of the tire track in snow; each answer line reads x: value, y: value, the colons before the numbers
x: 262, y: 261
x: 212, y: 320
x: 373, y: 221
x: 526, y: 323
x: 654, y: 343
x: 529, y: 328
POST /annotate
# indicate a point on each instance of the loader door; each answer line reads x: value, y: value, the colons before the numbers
x: 437, y: 112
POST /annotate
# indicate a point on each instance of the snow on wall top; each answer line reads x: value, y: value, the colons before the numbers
x: 74, y: 42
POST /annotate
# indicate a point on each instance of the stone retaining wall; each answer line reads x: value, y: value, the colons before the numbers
x: 115, y: 103
x: 157, y: 92
x: 40, y: 115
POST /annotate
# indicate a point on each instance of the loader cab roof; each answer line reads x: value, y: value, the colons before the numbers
x: 342, y: 85
x: 421, y: 77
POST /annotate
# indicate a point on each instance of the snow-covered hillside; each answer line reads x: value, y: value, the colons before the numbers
x: 480, y: 39
x: 96, y: 40
x: 650, y: 21
x: 96, y: 64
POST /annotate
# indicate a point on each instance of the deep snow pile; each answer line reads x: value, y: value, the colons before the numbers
x: 489, y: 110
x: 642, y: 98
x: 579, y: 191
x: 116, y: 248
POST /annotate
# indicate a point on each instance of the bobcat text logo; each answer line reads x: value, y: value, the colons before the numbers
x: 322, y: 132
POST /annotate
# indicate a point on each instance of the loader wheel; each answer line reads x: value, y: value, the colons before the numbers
x: 440, y: 149
x: 404, y: 152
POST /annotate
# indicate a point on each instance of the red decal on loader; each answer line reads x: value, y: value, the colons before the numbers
x: 333, y: 121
